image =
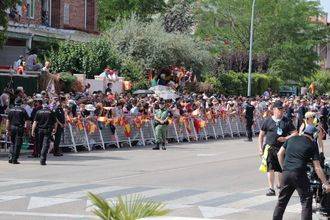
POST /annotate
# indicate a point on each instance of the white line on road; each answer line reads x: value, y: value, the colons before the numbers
x: 47, y: 215
x: 39, y: 189
x: 250, y: 202
x: 197, y: 198
x: 82, y: 193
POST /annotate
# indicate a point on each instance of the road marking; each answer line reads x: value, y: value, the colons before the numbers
x: 211, y: 212
x: 83, y: 193
x: 4, y: 198
x: 14, y: 182
x: 38, y: 189
x: 206, y: 155
x: 250, y: 202
x: 145, y: 194
x: 189, y: 200
x: 39, y: 202
x: 48, y: 215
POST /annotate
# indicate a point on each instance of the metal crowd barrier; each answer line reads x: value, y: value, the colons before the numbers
x: 89, y: 133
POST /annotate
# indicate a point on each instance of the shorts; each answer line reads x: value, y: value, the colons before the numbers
x: 272, y: 160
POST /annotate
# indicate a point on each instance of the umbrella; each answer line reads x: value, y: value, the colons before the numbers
x: 168, y: 95
x: 160, y: 88
x: 143, y: 92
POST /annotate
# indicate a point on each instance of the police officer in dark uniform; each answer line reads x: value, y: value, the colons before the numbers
x: 248, y: 110
x: 60, y: 119
x: 17, y: 118
x: 293, y: 158
x: 45, y: 122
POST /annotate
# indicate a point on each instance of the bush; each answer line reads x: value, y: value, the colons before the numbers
x: 67, y: 82
x: 89, y: 58
x: 158, y: 49
x: 233, y: 83
x: 321, y: 80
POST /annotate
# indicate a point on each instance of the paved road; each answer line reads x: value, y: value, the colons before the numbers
x: 207, y: 179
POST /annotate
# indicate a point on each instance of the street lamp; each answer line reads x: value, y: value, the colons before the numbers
x: 251, y: 46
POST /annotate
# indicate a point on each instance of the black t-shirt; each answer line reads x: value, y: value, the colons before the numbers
x: 302, y: 111
x: 60, y: 115
x: 17, y: 116
x: 299, y: 150
x: 249, y: 109
x: 45, y: 118
x: 275, y: 130
x: 290, y: 113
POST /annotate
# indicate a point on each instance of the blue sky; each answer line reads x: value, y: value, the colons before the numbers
x: 326, y: 5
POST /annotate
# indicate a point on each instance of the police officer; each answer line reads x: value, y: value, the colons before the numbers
x: 248, y: 111
x: 16, y: 122
x: 277, y: 129
x: 293, y: 158
x: 60, y: 119
x: 45, y: 122
x: 161, y: 122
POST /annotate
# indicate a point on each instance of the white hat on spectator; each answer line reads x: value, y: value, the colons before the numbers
x: 90, y: 108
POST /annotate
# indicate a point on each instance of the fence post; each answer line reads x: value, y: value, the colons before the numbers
x: 72, y: 138
x: 86, y: 136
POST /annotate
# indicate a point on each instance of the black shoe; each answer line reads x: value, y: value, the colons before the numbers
x: 270, y: 192
x: 10, y: 161
x: 58, y: 155
x: 248, y: 140
x: 156, y: 148
x: 16, y: 162
x: 163, y: 148
x: 43, y: 163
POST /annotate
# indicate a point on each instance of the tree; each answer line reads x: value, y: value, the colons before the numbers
x: 284, y: 32
x: 4, y: 5
x: 111, y: 10
x: 179, y: 17
x: 157, y: 48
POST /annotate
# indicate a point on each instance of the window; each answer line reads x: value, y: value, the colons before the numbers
x: 66, y: 17
x: 30, y: 6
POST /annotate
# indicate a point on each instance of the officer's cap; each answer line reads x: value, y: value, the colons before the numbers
x: 310, y: 130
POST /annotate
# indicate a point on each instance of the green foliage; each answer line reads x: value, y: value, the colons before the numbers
x: 283, y: 32
x: 4, y: 4
x: 90, y: 58
x: 132, y: 208
x: 233, y: 83
x: 67, y: 81
x: 179, y: 17
x: 321, y: 80
x: 111, y: 10
x: 157, y: 48
x: 134, y: 72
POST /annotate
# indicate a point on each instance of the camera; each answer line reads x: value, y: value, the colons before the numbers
x: 320, y: 197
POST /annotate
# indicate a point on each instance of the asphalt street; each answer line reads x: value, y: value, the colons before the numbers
x: 211, y: 179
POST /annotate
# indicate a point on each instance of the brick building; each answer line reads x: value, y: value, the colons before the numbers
x: 32, y: 22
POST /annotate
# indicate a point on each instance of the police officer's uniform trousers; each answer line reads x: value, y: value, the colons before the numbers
x: 44, y: 138
x: 16, y: 139
x: 249, y: 124
x: 294, y: 180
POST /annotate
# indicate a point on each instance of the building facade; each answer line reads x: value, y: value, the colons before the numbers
x: 32, y: 22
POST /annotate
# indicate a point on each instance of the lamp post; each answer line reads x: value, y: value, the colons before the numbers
x: 251, y: 46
